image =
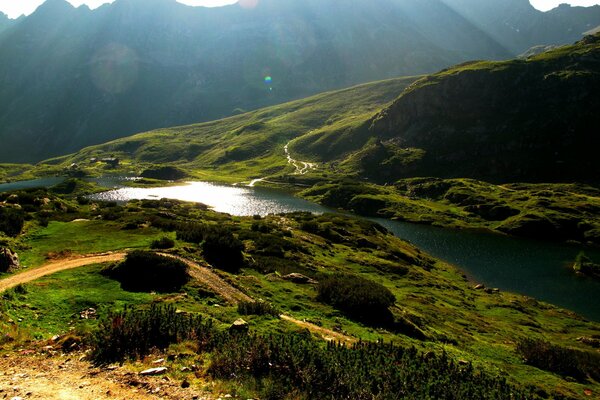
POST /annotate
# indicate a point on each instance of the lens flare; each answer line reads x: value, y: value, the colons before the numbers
x: 114, y: 68
x: 248, y: 4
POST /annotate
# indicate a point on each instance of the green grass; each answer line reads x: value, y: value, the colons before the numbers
x: 84, y: 237
x: 51, y: 305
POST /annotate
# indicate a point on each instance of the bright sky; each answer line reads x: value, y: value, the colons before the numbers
x: 14, y: 8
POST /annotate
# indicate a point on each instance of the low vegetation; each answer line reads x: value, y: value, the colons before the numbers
x: 296, y: 364
x: 146, y: 271
x: 133, y: 333
x: 576, y: 364
x: 584, y: 265
x: 361, y: 298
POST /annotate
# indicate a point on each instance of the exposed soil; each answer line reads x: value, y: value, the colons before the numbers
x: 34, y: 375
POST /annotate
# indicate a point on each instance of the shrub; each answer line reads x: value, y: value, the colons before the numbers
x: 190, y: 232
x: 296, y: 366
x: 163, y: 243
x: 134, y: 333
x: 146, y: 271
x: 358, y: 297
x: 164, y: 173
x: 567, y: 362
x: 257, y: 308
x: 222, y: 249
x: 11, y: 221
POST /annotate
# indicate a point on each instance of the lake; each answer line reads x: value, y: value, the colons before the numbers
x: 535, y: 268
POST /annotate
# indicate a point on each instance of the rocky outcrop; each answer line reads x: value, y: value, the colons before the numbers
x: 9, y: 260
x: 504, y: 121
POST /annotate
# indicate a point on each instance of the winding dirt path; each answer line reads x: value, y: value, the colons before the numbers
x: 57, y: 266
x: 302, y: 167
x: 212, y: 280
x: 199, y: 272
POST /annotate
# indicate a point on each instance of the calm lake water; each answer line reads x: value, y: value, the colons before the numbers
x: 34, y: 183
x: 534, y: 268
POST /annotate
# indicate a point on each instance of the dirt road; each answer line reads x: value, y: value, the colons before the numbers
x: 212, y: 280
x: 57, y: 266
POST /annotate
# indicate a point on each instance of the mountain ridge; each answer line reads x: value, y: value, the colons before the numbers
x: 80, y: 77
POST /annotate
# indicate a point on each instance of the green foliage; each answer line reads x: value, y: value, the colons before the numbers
x: 567, y: 362
x: 358, y: 297
x: 167, y: 173
x: 133, y: 333
x: 146, y: 271
x: 257, y: 308
x: 584, y: 265
x: 219, y: 245
x: 295, y: 364
x: 163, y: 243
x: 222, y: 249
x: 11, y: 221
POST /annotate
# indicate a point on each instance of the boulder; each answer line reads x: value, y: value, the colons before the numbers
x: 298, y: 278
x: 9, y: 260
x: 239, y: 326
x: 154, y: 371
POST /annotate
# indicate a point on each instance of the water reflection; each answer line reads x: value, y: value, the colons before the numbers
x: 242, y: 201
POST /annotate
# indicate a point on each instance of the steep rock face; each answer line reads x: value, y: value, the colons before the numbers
x: 533, y: 120
x: 72, y: 77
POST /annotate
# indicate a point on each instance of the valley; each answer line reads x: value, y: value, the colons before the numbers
x: 424, y: 235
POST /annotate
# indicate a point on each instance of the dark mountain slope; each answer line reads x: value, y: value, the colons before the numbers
x: 522, y: 120
x: 74, y: 77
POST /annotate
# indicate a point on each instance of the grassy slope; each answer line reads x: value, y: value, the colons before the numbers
x: 241, y: 147
x: 469, y: 324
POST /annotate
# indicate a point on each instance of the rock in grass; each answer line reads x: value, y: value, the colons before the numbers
x: 298, y: 278
x: 154, y: 371
x: 239, y: 326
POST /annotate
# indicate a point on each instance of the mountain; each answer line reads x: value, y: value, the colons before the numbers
x: 73, y: 77
x: 5, y: 22
x: 517, y: 25
x: 532, y: 120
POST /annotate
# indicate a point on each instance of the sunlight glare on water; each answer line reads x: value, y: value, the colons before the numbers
x: 233, y: 200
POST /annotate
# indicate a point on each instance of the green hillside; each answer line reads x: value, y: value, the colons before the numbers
x: 532, y: 120
x: 242, y: 147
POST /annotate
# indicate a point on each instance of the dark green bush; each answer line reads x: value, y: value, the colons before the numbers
x: 358, y: 297
x: 257, y: 308
x: 146, y: 271
x: 134, y: 333
x: 11, y: 221
x: 164, y: 173
x: 566, y: 362
x: 222, y: 249
x: 163, y: 243
x: 191, y: 232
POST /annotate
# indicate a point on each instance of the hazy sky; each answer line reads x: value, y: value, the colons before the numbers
x: 14, y: 8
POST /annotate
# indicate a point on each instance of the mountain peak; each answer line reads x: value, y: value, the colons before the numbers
x: 55, y: 6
